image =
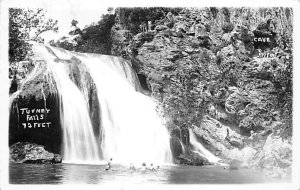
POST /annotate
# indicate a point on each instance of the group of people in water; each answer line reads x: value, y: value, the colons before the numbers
x: 144, y: 167
x: 133, y: 168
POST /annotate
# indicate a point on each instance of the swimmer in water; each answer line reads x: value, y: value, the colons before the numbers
x: 108, y: 167
x: 132, y: 167
x: 152, y: 167
x: 144, y: 167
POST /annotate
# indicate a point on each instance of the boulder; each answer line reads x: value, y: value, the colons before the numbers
x: 236, y: 142
x: 275, y: 153
x: 223, y: 142
x: 191, y: 159
x: 243, y: 156
x: 25, y: 152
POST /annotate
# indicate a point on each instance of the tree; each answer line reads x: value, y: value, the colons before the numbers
x: 74, y: 23
x: 26, y: 25
x: 96, y: 38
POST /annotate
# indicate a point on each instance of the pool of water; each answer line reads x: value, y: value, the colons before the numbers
x: 96, y: 174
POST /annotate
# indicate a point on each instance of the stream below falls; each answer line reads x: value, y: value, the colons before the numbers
x: 96, y: 174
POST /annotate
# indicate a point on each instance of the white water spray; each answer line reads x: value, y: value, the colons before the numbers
x: 131, y: 131
x: 79, y: 143
x: 199, y: 149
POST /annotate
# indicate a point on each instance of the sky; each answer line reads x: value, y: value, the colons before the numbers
x: 84, y: 11
x: 65, y: 16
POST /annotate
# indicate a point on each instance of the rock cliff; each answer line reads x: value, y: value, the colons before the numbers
x: 225, y: 73
x: 235, y: 60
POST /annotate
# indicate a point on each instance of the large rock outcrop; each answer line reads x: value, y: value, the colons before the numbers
x: 25, y: 152
x: 267, y: 151
x: 34, y: 110
x: 275, y: 154
x: 241, y: 113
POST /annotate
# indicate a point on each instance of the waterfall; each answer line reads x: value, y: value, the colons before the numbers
x: 199, y: 149
x: 180, y: 139
x: 131, y: 130
x: 79, y: 142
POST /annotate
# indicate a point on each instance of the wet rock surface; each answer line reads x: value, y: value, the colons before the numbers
x: 191, y: 159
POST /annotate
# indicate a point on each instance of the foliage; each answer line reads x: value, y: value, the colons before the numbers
x: 96, y: 37
x: 133, y: 18
x: 74, y: 23
x: 218, y: 71
x: 26, y: 25
x: 229, y: 73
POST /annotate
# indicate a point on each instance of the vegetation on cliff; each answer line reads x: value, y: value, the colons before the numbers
x: 206, y: 61
x: 228, y: 66
x: 25, y: 25
x: 225, y: 72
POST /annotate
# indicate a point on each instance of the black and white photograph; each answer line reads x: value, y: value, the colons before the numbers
x: 156, y: 95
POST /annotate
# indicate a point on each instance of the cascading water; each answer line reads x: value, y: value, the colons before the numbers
x: 199, y: 149
x: 131, y: 131
x: 79, y: 142
x: 180, y: 140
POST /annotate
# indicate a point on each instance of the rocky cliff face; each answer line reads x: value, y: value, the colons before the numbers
x: 235, y: 124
